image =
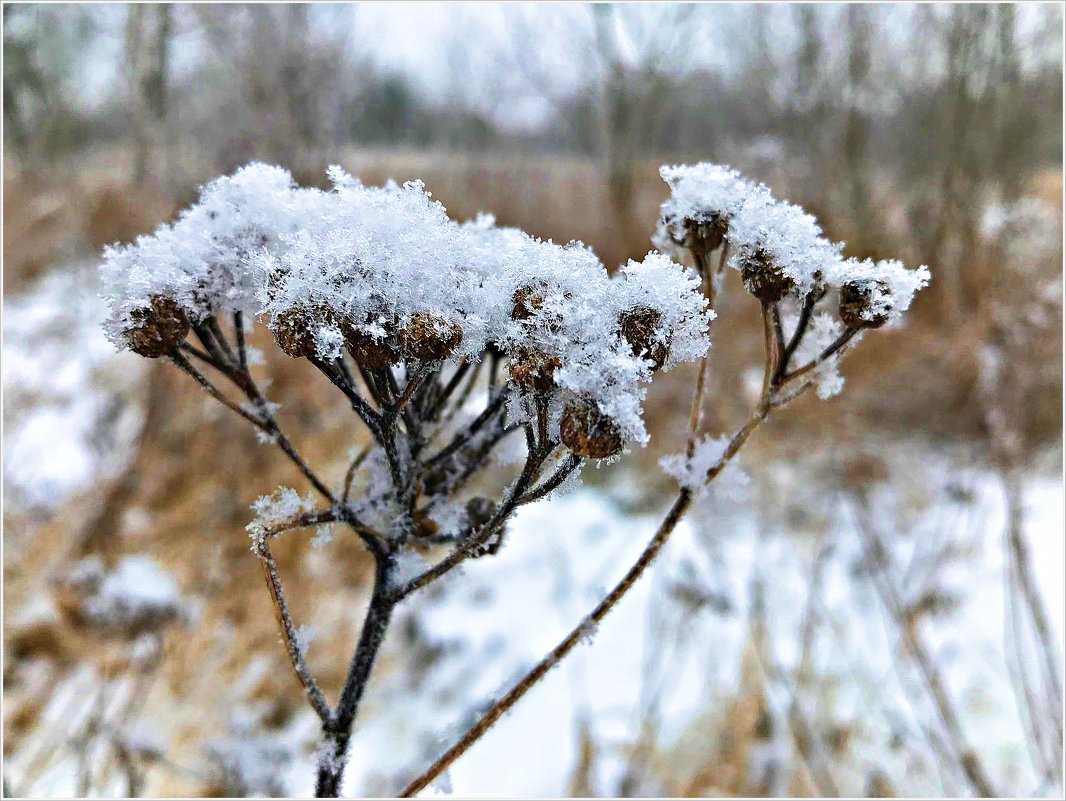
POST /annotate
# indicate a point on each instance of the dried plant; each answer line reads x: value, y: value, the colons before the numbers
x: 450, y: 341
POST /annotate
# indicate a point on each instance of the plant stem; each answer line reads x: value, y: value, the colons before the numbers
x: 968, y: 761
x: 337, y: 733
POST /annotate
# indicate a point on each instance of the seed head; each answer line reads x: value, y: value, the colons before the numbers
x: 638, y: 326
x: 764, y: 279
x: 705, y: 231
x: 534, y: 370
x: 526, y: 302
x: 294, y: 329
x: 588, y: 432
x: 372, y: 353
x: 157, y: 329
x: 857, y: 304
x: 429, y: 337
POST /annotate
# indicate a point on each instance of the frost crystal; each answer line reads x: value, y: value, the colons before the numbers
x: 323, y: 537
x: 821, y: 333
x: 282, y: 505
x: 305, y: 635
x: 691, y: 472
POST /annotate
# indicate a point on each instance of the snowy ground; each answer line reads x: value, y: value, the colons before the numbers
x: 66, y: 416
x: 506, y: 612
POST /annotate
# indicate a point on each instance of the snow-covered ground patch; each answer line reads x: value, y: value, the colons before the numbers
x: 681, y: 635
x: 68, y: 422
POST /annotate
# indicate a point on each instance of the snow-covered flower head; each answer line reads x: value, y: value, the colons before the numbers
x: 703, y: 200
x: 779, y: 249
x: 200, y: 262
x: 873, y: 293
x: 385, y: 275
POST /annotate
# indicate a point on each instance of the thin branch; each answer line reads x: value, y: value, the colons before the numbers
x: 797, y: 335
x: 199, y: 354
x: 565, y: 469
x: 460, y: 439
x: 837, y: 344
x: 371, y: 418
x: 220, y: 338
x: 460, y: 402
x: 242, y: 349
x: 213, y: 391
x: 339, y: 731
x: 281, y: 609
x: 349, y: 476
x: 471, y: 544
x: 414, y: 382
x: 207, y: 339
x: 453, y: 383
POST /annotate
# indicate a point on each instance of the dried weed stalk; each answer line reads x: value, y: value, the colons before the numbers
x: 448, y: 341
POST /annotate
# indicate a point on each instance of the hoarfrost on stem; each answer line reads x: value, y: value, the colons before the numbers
x: 284, y: 504
x: 691, y: 472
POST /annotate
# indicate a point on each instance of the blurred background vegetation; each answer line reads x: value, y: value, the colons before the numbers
x: 911, y: 131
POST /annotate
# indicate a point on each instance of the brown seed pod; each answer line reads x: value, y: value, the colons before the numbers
x: 158, y: 329
x: 479, y: 511
x: 856, y: 304
x: 372, y: 353
x: 705, y: 232
x: 534, y: 370
x: 429, y: 337
x: 294, y: 329
x: 764, y: 279
x: 638, y: 326
x: 426, y: 527
x: 526, y: 302
x: 588, y: 432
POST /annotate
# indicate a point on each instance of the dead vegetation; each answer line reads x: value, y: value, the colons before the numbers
x: 171, y: 503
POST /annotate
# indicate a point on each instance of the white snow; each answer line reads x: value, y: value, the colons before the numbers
x: 68, y: 415
x: 759, y: 224
x: 285, y: 503
x: 139, y: 589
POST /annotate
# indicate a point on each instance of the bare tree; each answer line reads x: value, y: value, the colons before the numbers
x: 149, y: 29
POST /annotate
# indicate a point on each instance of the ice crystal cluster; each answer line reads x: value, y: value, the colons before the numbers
x: 783, y: 257
x: 385, y: 274
x: 284, y: 504
x: 777, y: 247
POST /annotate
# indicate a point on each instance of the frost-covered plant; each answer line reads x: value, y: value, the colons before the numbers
x: 717, y: 218
x: 448, y: 340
